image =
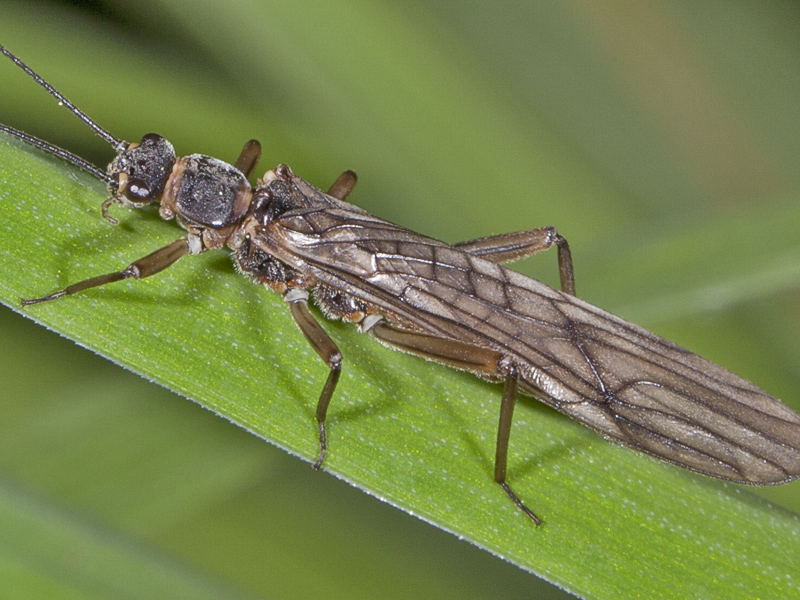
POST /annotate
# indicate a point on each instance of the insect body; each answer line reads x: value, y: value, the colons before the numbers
x: 454, y: 304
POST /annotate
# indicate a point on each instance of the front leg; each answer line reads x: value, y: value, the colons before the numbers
x: 144, y: 267
x: 248, y: 158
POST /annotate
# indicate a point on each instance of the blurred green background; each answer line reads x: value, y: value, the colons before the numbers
x: 662, y: 139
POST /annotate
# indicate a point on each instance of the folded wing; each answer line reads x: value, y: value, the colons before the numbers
x: 625, y: 382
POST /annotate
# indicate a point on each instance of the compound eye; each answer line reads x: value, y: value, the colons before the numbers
x: 151, y: 137
x: 137, y: 191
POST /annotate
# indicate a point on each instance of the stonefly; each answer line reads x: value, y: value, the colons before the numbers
x: 454, y: 304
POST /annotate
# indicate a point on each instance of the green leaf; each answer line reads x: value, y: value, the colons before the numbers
x: 447, y: 142
x: 414, y: 434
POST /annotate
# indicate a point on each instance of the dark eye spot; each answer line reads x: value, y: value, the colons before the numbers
x: 137, y: 190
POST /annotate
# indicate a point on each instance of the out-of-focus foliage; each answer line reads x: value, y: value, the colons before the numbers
x: 660, y: 138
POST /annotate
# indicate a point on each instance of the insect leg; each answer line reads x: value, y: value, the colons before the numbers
x: 248, y: 158
x: 509, y: 247
x: 481, y: 361
x: 328, y: 351
x: 144, y: 267
x: 343, y: 185
x: 503, y: 435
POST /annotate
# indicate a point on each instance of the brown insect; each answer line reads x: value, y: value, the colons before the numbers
x: 453, y: 304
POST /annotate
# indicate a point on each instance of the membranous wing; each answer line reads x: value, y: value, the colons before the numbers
x: 625, y: 382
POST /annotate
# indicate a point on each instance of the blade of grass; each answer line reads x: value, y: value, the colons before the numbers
x: 47, y: 553
x: 414, y: 434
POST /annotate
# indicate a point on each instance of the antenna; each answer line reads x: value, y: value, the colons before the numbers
x: 117, y: 144
x: 59, y: 152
